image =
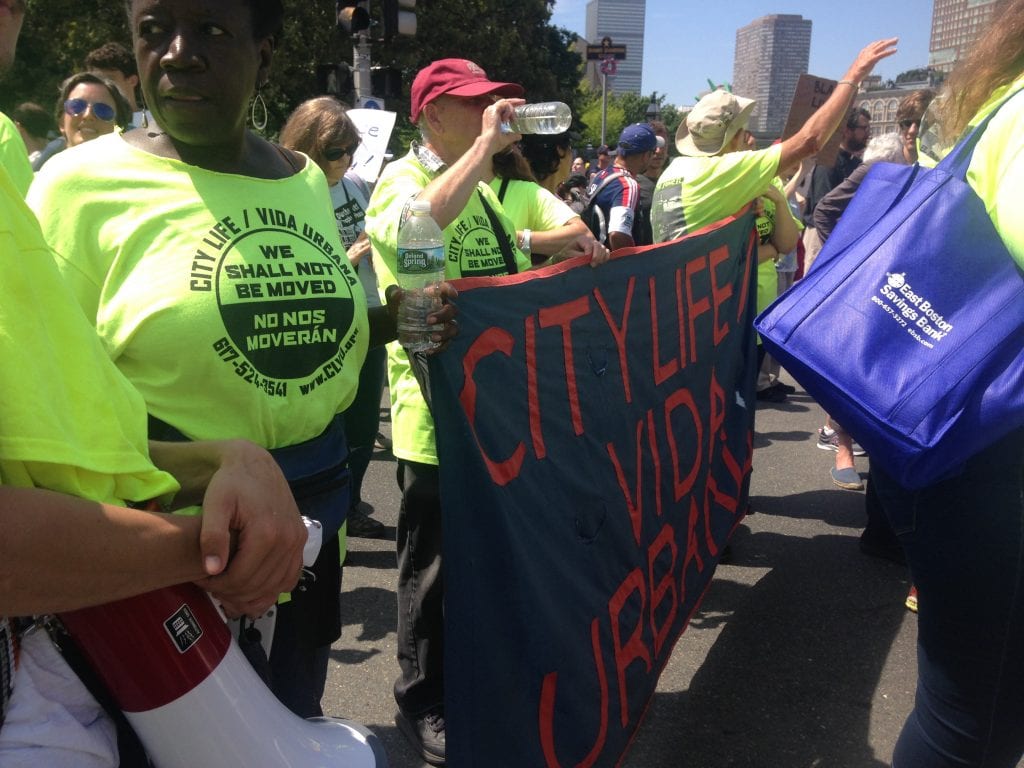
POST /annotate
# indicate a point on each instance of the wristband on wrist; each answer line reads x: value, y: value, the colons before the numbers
x: 849, y: 83
x: 524, y: 241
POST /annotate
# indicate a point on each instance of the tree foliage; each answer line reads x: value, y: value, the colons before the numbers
x: 512, y: 41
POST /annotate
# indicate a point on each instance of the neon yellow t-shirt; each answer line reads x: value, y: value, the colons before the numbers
x: 227, y: 301
x: 471, y: 248
x: 532, y: 207
x: 14, y: 155
x: 996, y: 172
x: 694, y: 192
x: 69, y: 421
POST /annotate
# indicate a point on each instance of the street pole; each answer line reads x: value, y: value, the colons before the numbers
x: 604, y: 106
x: 361, y: 67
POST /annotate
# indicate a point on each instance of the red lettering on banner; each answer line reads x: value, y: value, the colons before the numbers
x: 666, y: 539
x: 532, y: 400
x: 548, y: 692
x: 719, y: 294
x: 716, y: 420
x: 562, y: 316
x: 619, y: 332
x: 683, y: 397
x: 695, y: 307
x: 662, y: 371
x: 652, y: 441
x: 489, y: 342
x: 751, y: 249
x: 680, y: 317
x: 634, y: 648
x: 634, y: 508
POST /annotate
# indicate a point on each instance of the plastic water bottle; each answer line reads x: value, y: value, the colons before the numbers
x: 547, y: 117
x: 420, y: 271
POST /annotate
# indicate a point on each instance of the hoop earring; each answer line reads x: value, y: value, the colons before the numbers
x: 261, y: 123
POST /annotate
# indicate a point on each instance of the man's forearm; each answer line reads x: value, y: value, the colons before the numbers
x: 449, y: 193
x: 59, y: 552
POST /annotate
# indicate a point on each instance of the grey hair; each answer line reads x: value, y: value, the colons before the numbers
x: 887, y: 148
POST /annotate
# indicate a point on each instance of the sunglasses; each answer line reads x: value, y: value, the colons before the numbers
x: 332, y: 154
x: 907, y: 124
x: 77, y: 108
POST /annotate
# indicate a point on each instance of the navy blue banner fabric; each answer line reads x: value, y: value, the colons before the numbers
x: 594, y: 429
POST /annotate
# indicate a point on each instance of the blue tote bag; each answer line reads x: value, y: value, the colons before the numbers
x: 909, y: 330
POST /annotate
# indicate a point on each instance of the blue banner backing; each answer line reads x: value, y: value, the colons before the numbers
x: 594, y: 430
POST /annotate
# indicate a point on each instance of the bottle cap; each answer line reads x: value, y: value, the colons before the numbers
x: 419, y: 206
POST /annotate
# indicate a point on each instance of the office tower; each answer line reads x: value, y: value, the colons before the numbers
x: 771, y: 54
x: 955, y: 24
x: 623, y: 22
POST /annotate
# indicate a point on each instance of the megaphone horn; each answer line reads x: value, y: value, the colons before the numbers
x: 171, y: 665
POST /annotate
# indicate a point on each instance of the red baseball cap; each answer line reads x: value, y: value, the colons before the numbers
x: 455, y: 77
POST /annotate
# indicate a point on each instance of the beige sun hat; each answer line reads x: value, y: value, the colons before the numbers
x: 711, y: 124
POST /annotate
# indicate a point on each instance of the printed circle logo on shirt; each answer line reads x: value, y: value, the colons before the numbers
x: 285, y: 300
x: 475, y: 247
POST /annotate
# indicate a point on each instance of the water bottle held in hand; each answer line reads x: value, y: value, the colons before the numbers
x: 548, y: 117
x: 420, y: 272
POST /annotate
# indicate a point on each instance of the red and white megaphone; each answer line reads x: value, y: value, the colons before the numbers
x: 170, y: 663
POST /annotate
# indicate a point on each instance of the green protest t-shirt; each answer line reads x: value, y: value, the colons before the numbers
x: 532, y: 207
x: 227, y: 301
x: 14, y: 155
x: 69, y: 421
x: 694, y: 192
x: 471, y: 248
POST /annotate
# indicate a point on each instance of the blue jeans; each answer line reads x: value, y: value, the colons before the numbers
x: 964, y: 540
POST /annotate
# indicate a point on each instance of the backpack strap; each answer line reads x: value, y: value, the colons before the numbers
x: 593, y: 209
x: 502, y: 189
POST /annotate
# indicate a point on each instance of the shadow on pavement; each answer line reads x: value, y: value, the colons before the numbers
x: 789, y: 681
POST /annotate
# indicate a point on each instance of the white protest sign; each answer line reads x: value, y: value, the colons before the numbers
x: 375, y: 127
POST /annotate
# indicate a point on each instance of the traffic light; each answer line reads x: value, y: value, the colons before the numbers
x: 352, y: 15
x: 399, y: 17
x: 334, y: 79
x: 386, y: 82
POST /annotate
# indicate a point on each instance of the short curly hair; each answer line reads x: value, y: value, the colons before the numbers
x: 112, y: 56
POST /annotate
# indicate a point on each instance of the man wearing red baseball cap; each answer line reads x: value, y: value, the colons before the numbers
x: 460, y: 113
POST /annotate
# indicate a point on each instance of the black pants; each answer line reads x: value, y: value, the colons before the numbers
x: 420, y: 686
x: 362, y: 419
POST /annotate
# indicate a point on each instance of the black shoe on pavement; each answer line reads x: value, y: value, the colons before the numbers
x: 362, y: 526
x: 425, y: 732
x: 885, y: 550
x: 771, y: 395
x: 785, y: 388
x: 382, y: 442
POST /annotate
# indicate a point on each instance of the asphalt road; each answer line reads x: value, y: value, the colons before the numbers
x: 801, y: 655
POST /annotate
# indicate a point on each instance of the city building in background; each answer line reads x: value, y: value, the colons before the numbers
x: 955, y: 24
x: 771, y: 54
x: 623, y: 22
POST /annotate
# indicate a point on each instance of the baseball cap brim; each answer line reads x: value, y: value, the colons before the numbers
x: 485, y: 88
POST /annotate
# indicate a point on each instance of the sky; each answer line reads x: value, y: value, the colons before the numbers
x: 685, y: 43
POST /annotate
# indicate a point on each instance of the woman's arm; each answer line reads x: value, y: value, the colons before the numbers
x: 554, y: 241
x: 785, y: 233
